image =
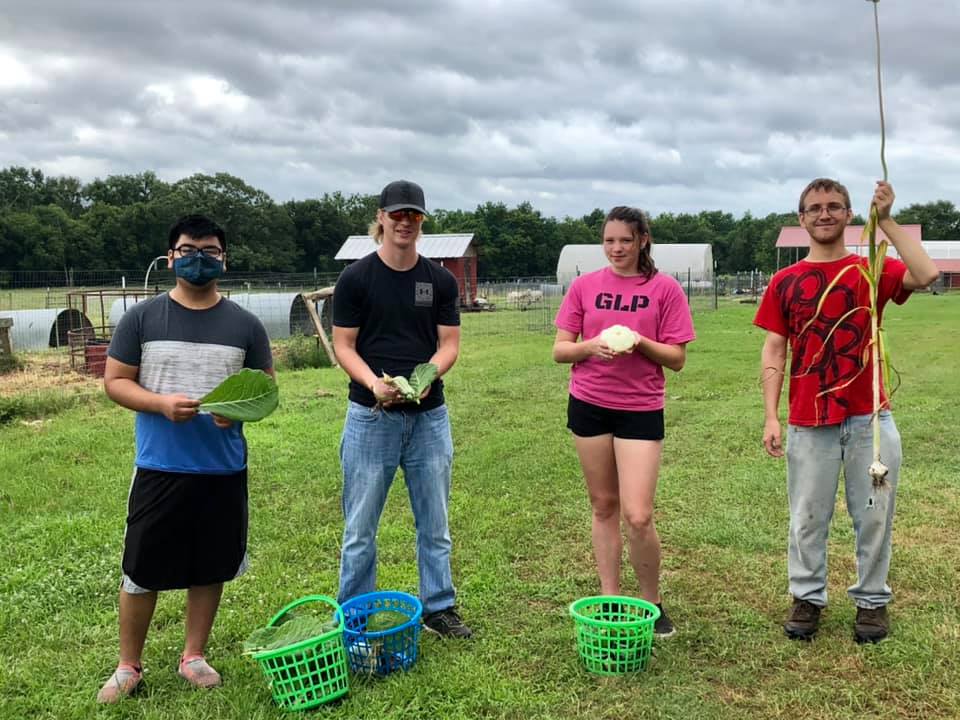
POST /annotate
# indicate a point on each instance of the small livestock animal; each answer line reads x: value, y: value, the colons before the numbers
x: 524, y: 298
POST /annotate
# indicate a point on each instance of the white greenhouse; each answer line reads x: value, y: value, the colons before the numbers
x: 282, y: 314
x: 693, y: 261
x: 42, y: 329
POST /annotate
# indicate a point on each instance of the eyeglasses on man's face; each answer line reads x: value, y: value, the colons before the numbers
x: 398, y: 215
x: 834, y: 209
x: 189, y: 251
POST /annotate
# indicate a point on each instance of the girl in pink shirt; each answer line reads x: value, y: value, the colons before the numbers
x: 615, y: 409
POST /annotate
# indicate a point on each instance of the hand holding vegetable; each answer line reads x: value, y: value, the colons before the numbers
x: 178, y: 408
x: 618, y: 340
x: 385, y: 394
x: 883, y: 199
x: 417, y: 387
x: 596, y: 347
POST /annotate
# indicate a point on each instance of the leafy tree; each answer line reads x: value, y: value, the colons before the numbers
x: 765, y: 244
x: 21, y: 189
x: 121, y: 222
x: 123, y: 190
x: 46, y: 238
x: 594, y: 222
x: 940, y: 220
x: 322, y: 225
x: 259, y: 232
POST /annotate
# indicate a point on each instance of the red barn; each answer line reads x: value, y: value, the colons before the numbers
x: 457, y: 252
x: 945, y: 254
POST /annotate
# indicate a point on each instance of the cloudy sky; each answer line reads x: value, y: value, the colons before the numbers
x: 672, y: 105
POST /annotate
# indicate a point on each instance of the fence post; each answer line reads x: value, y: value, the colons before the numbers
x: 716, y: 287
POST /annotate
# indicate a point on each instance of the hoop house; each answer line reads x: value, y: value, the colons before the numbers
x: 42, y: 329
x: 282, y: 314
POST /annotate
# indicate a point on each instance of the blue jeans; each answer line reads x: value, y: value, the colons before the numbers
x: 815, y: 456
x: 374, y: 444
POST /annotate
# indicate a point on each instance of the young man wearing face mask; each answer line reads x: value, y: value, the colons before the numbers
x: 187, y: 508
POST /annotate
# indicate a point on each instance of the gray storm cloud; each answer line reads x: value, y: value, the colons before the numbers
x: 677, y: 107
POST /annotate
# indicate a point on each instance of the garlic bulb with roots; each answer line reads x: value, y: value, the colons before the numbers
x: 878, y: 473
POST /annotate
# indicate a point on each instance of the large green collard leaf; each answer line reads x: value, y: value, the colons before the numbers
x: 246, y: 396
x: 421, y: 377
x: 295, y: 630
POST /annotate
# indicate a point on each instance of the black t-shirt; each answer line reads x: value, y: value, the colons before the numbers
x: 397, y: 313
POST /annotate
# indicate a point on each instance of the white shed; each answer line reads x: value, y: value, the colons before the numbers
x: 677, y: 259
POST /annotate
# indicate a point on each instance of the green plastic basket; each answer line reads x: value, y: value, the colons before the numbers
x: 310, y: 672
x: 614, y: 633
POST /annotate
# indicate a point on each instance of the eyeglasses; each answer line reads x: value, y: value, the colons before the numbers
x: 835, y: 209
x: 398, y: 215
x: 189, y: 251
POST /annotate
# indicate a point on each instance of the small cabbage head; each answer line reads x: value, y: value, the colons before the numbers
x: 618, y: 338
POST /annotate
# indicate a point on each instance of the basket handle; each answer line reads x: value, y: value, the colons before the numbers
x: 309, y: 598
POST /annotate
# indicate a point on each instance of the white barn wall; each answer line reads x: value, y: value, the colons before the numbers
x: 671, y: 258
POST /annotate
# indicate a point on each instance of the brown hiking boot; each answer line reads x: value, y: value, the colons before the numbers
x: 872, y: 624
x: 803, y: 620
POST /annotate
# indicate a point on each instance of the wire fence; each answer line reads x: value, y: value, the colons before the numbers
x: 57, y: 325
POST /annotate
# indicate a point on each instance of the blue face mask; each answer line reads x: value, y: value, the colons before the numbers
x: 198, y: 270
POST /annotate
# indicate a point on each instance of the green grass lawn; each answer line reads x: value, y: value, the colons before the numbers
x: 521, y: 529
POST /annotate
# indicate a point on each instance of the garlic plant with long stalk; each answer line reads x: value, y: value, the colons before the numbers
x: 878, y: 471
x: 876, y: 348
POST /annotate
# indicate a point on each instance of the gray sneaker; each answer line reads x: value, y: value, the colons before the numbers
x: 663, y: 627
x: 803, y: 620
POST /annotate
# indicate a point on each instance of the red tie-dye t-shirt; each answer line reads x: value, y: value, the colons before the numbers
x: 830, y: 373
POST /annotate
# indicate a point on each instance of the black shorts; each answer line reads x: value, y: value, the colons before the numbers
x: 588, y: 420
x: 184, y: 529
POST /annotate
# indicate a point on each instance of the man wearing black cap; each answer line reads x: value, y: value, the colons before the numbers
x: 393, y: 310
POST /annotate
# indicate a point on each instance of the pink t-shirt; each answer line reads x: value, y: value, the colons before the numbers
x: 656, y: 308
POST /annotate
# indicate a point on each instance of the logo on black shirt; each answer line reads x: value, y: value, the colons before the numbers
x: 424, y: 294
x: 608, y: 301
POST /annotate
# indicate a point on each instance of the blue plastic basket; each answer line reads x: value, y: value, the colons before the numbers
x: 380, y: 652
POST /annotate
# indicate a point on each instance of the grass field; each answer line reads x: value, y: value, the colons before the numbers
x: 521, y: 529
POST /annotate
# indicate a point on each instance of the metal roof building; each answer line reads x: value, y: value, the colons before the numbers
x: 457, y: 252
x: 435, y: 247
x: 796, y: 236
x: 945, y: 255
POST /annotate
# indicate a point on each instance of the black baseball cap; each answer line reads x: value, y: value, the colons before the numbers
x: 402, y: 195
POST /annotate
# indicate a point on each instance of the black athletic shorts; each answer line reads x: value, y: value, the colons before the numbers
x: 185, y: 530
x: 587, y: 420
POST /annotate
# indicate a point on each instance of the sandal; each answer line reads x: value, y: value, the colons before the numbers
x: 123, y: 683
x: 196, y: 671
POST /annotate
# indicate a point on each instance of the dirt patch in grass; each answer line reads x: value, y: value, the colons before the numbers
x: 45, y: 372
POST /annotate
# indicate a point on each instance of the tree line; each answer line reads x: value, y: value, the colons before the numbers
x: 121, y: 221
